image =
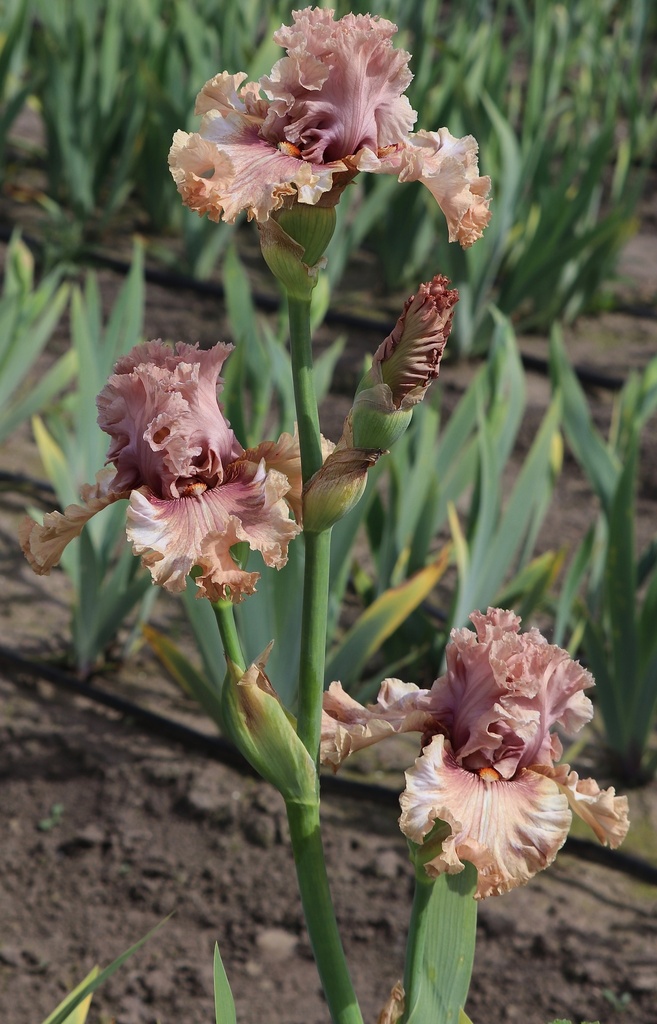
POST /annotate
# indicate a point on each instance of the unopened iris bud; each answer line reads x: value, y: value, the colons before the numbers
x: 293, y: 242
x: 404, y: 366
x: 265, y: 733
x: 337, y: 487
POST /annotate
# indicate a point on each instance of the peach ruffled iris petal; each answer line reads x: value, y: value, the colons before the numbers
x: 160, y: 409
x: 333, y: 106
x: 174, y: 535
x: 504, y: 691
x: 347, y: 726
x: 340, y: 88
x: 604, y: 812
x: 228, y: 167
x: 448, y: 167
x: 43, y: 545
x: 283, y: 456
x: 508, y: 830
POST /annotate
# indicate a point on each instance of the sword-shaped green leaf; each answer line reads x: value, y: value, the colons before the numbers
x: 224, y: 1005
x: 183, y: 672
x: 63, y: 1012
x: 380, y: 621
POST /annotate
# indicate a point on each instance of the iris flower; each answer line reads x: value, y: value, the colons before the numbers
x: 487, y: 768
x: 332, y: 107
x: 193, y: 491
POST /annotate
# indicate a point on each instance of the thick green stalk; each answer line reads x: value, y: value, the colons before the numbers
x: 303, y: 818
x: 304, y: 387
x: 313, y: 639
x: 318, y: 911
x: 316, y: 572
x: 440, y: 948
x: 225, y: 617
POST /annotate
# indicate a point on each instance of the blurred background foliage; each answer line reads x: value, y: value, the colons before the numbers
x: 560, y: 96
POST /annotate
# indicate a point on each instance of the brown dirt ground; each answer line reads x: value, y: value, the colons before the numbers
x: 149, y: 827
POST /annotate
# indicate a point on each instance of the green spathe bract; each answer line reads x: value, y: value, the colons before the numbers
x: 293, y: 243
x: 337, y: 487
x: 258, y: 724
x: 377, y: 423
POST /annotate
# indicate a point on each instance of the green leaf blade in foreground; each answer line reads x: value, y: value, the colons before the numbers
x: 441, y: 947
x: 206, y: 636
x: 23, y: 405
x: 599, y: 464
x: 620, y: 586
x: 79, y: 1014
x: 224, y: 1005
x: 29, y: 336
x: 189, y: 679
x: 63, y: 1012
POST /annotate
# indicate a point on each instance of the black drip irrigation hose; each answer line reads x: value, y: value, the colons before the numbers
x: 173, y: 279
x: 179, y: 282
x: 37, y: 490
x: 222, y: 750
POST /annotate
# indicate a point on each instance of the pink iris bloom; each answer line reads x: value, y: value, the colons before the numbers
x: 334, y: 106
x: 487, y: 767
x: 193, y: 491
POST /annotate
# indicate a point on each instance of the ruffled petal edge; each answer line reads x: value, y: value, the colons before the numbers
x: 601, y: 809
x: 44, y: 545
x: 347, y: 726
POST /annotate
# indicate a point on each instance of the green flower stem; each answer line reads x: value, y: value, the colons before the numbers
x: 225, y: 617
x: 440, y: 949
x: 304, y: 387
x: 303, y: 818
x: 316, y: 572
x: 318, y: 910
x: 313, y: 640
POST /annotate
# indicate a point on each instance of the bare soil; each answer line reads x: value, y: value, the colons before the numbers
x: 107, y: 828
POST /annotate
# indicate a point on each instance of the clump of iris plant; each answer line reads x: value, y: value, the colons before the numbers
x: 486, y: 801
